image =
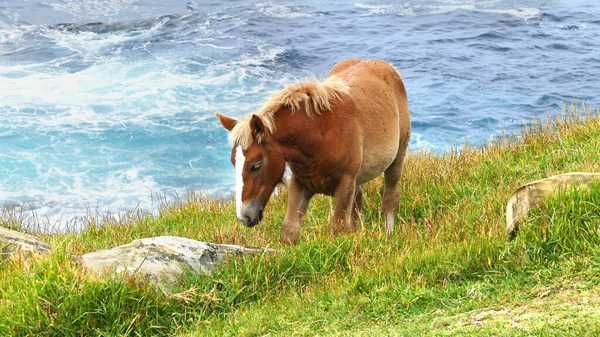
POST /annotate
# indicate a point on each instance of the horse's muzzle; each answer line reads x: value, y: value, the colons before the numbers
x: 251, y: 217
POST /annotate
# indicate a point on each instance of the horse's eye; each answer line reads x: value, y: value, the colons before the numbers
x: 255, y: 166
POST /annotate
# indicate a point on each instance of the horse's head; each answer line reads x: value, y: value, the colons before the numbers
x: 259, y: 168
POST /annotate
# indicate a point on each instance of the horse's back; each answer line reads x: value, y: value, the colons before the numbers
x: 343, y: 65
x: 355, y: 71
x: 377, y: 89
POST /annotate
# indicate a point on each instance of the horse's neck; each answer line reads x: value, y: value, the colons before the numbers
x: 293, y: 135
x: 300, y: 141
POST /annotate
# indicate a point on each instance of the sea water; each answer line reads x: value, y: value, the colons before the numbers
x: 108, y: 105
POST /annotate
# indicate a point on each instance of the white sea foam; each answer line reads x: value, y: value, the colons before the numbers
x: 129, y: 97
x: 523, y: 13
x: 214, y: 46
x: 11, y: 34
x: 89, y: 44
x: 449, y: 6
x: 417, y: 143
x: 401, y: 10
x: 92, y: 8
x: 58, y: 196
x: 280, y: 11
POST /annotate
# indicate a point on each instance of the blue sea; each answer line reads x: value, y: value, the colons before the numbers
x: 108, y: 105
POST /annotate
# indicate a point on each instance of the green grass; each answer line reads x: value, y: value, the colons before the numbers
x: 448, y: 270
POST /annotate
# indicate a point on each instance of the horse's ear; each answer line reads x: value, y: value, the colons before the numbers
x: 258, y: 129
x: 228, y: 122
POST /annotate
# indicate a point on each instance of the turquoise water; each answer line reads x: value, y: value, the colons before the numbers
x: 107, y: 106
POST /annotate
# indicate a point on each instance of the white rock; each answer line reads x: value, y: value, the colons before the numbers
x: 531, y: 195
x: 162, y: 259
x: 13, y: 241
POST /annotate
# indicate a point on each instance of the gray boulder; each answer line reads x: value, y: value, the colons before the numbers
x: 162, y: 259
x: 13, y: 241
x: 533, y: 194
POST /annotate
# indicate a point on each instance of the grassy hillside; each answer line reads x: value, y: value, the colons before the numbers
x: 448, y: 270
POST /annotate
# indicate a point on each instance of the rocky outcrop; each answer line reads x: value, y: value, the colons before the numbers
x: 13, y: 241
x: 531, y: 195
x: 162, y: 259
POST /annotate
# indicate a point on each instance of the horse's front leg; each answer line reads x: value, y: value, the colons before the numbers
x: 358, y: 208
x: 298, y: 198
x: 344, y: 199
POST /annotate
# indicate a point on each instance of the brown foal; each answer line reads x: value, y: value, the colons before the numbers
x: 334, y: 135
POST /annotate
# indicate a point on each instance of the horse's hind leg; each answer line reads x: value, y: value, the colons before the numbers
x: 358, y: 208
x: 390, y: 191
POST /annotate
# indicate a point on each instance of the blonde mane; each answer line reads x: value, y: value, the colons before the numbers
x: 312, y: 96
